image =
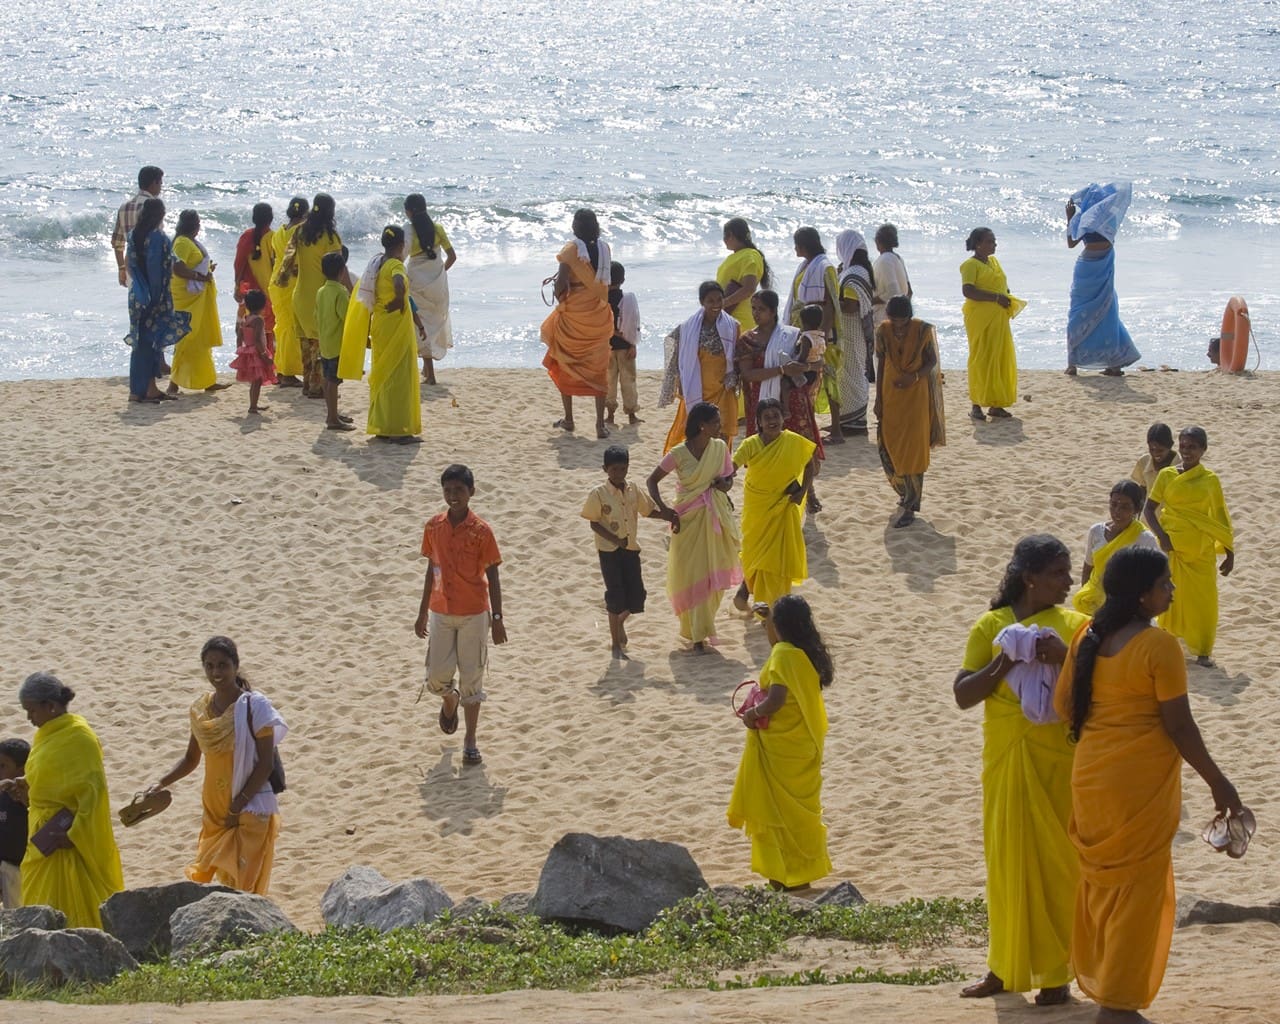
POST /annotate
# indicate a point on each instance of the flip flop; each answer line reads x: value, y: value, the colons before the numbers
x: 471, y: 755
x: 449, y: 724
x: 144, y: 806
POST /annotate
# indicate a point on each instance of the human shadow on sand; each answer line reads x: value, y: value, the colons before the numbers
x: 458, y: 795
x: 381, y: 463
x: 622, y: 680
x: 581, y: 449
x: 1014, y: 1007
x: 708, y: 677
x: 999, y: 433
x: 1216, y: 684
x: 822, y: 567
x: 920, y: 553
x: 1115, y: 389
x: 145, y: 414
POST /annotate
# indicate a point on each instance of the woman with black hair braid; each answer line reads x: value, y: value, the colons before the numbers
x: 1026, y: 782
x: 1123, y: 688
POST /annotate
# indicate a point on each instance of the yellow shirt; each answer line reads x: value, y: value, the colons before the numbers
x: 441, y: 242
x: 618, y: 512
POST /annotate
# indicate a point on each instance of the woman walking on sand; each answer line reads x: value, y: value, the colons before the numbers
x: 988, y: 308
x: 430, y: 257
x: 578, y: 331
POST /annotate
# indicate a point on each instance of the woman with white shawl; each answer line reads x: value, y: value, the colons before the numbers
x: 430, y: 256
x: 815, y: 283
x: 701, y: 366
x: 854, y: 332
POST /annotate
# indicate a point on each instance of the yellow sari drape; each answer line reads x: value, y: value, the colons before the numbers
x: 1089, y: 598
x: 713, y: 369
x: 395, y: 402
x: 1194, y: 515
x: 307, y: 257
x: 240, y: 857
x: 777, y: 795
x: 288, y: 351
x: 773, y: 550
x: 737, y: 265
x: 993, y: 364
x: 1126, y: 803
x: 64, y: 769
x: 702, y: 562
x: 192, y: 363
x: 1026, y: 806
x: 578, y: 330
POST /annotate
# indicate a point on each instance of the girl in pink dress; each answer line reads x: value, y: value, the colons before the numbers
x: 255, y: 350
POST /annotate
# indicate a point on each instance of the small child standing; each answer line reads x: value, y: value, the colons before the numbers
x: 331, y: 315
x: 13, y: 821
x: 255, y: 350
x: 613, y: 510
x: 811, y: 347
x: 622, y: 354
x: 460, y: 589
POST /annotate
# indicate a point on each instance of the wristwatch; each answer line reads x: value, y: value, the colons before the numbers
x: 496, y: 616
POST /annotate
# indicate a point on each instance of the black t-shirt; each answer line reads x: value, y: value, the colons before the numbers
x: 13, y: 829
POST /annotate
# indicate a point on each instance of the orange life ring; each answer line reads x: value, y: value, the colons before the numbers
x: 1234, y: 346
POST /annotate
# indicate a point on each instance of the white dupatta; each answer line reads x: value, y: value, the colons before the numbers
x: 604, y: 273
x: 809, y: 285
x: 690, y: 368
x: 245, y: 757
x: 779, y: 351
x: 195, y: 287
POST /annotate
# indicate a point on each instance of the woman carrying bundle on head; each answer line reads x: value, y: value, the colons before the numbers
x: 1123, y: 689
x: 1095, y: 334
x: 430, y: 257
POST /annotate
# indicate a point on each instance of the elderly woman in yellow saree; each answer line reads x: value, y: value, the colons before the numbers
x: 777, y: 795
x: 288, y: 349
x: 1123, y: 689
x: 702, y: 562
x: 380, y: 312
x: 236, y: 730
x: 1124, y: 529
x: 779, y: 466
x: 908, y: 403
x: 578, y: 330
x: 64, y: 772
x: 988, y: 308
x: 195, y: 293
x: 1026, y: 779
x: 1188, y: 515
x: 700, y: 365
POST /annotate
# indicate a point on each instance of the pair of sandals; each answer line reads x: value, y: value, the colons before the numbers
x: 1230, y: 832
x: 448, y: 726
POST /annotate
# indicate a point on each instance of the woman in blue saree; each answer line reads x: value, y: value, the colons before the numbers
x: 1095, y: 335
x: 153, y: 322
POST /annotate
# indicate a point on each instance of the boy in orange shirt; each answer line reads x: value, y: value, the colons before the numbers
x: 460, y: 590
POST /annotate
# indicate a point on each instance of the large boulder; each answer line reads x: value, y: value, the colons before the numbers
x: 843, y: 895
x: 75, y: 955
x: 18, y: 919
x: 140, y: 917
x: 613, y: 883
x: 223, y: 919
x: 364, y: 898
x: 1198, y: 910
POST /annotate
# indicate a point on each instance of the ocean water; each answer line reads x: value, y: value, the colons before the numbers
x: 665, y: 118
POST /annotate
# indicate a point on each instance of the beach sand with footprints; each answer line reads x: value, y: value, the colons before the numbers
x: 131, y: 534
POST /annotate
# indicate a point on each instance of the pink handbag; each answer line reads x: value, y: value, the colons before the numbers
x: 754, y: 696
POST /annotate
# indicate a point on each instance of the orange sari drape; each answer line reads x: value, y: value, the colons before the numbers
x: 578, y: 330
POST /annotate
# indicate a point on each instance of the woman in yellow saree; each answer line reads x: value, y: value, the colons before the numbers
x: 1026, y: 782
x: 701, y: 366
x: 908, y: 403
x: 288, y: 351
x: 1124, y: 529
x: 64, y: 771
x: 307, y: 247
x: 236, y: 730
x: 195, y: 293
x: 578, y: 330
x: 1123, y: 689
x: 1189, y: 517
x: 779, y: 466
x: 777, y: 795
x: 702, y: 562
x: 380, y: 312
x: 743, y: 271
x: 988, y: 308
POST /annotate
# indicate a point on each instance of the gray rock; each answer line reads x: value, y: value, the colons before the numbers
x: 1198, y: 910
x: 19, y: 919
x: 515, y: 903
x: 363, y: 898
x: 612, y: 882
x: 223, y: 919
x: 843, y: 895
x: 140, y: 917
x: 469, y: 907
x: 74, y: 955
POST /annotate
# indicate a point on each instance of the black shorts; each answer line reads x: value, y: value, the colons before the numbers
x: 329, y: 368
x: 623, y: 586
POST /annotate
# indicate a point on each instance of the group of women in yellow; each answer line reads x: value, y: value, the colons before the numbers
x: 1086, y: 724
x: 72, y: 862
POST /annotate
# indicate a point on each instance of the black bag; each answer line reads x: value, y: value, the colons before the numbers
x: 276, y: 778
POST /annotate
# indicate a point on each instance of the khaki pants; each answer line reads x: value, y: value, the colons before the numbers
x: 622, y: 370
x: 457, y: 644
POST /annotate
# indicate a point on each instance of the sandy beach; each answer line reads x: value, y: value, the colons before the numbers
x: 132, y: 533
